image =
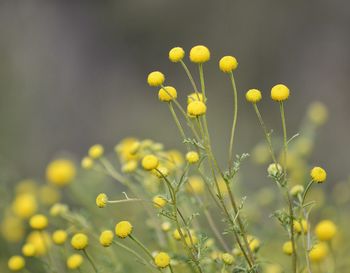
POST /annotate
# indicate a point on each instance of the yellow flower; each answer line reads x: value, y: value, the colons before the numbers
x: 254, y: 243
x: 49, y: 194
x: 16, y: 263
x: 279, y: 92
x: 74, y: 261
x: 177, y: 235
x: 227, y: 64
x: 191, y: 241
x: 199, y: 54
x: 123, y: 229
x: 79, y: 241
x: 38, y: 221
x: 195, y: 97
x: 167, y: 93
x: 159, y: 201
x: 150, y: 162
x: 24, y: 205
x: 96, y: 151
x: 58, y: 209
x: 302, y: 227
x: 195, y: 184
x: 227, y: 258
x: 40, y: 240
x: 253, y: 95
x: 60, y: 172
x: 192, y: 157
x: 318, y: 252
x: 274, y: 169
x: 59, y: 237
x: 28, y: 250
x: 162, y: 260
x: 318, y: 174
x: 87, y: 163
x: 287, y: 248
x: 166, y: 226
x: 101, y: 200
x: 196, y: 108
x: 129, y: 166
x: 317, y: 113
x: 325, y: 230
x: 155, y: 78
x: 106, y: 238
x: 160, y: 172
x: 12, y: 229
x: 297, y: 189
x: 176, y: 54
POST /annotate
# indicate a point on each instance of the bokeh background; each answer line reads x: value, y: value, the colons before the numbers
x: 72, y: 73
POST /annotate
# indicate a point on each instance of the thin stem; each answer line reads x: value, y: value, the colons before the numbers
x: 171, y: 268
x: 178, y: 124
x: 125, y: 201
x: 90, y: 260
x: 285, y: 144
x: 201, y: 76
x: 308, y: 187
x: 144, y: 248
x: 189, y: 75
x: 234, y: 123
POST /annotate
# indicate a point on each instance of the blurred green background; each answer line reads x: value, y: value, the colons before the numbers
x: 73, y: 73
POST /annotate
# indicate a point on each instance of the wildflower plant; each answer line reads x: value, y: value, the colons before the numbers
x: 195, y: 219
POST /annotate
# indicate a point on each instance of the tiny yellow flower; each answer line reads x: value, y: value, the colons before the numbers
x: 167, y: 93
x: 16, y: 263
x: 38, y: 221
x: 274, y: 169
x: 191, y: 241
x: 96, y: 151
x: 162, y: 260
x: 123, y: 229
x: 166, y: 226
x: 150, y: 162
x: 254, y: 243
x: 176, y: 54
x: 101, y: 200
x: 199, y: 54
x: 177, y: 235
x: 74, y: 261
x: 195, y: 97
x: 325, y: 230
x: 196, y: 108
x: 159, y: 201
x: 40, y: 240
x: 79, y: 241
x: 300, y: 226
x: 192, y: 157
x: 195, y: 184
x: 317, y: 113
x: 253, y: 95
x: 28, y: 250
x: 49, y: 194
x: 280, y: 92
x: 319, y: 252
x: 129, y: 166
x: 161, y: 172
x: 287, y: 248
x: 106, y: 238
x: 318, y: 175
x: 87, y: 163
x: 227, y: 258
x: 59, y: 237
x: 297, y: 189
x: 58, y: 209
x: 24, y: 205
x: 60, y: 172
x: 227, y: 64
x: 155, y: 78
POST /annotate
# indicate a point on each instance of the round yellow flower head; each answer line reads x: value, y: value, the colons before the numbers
x: 177, y: 235
x: 106, y: 238
x: 319, y: 252
x: 254, y: 243
x: 16, y: 263
x: 253, y: 95
x: 40, y: 240
x: 227, y: 64
x: 58, y: 209
x: 280, y: 92
x: 161, y: 172
x: 191, y: 241
x: 28, y: 250
x: 162, y: 260
x: 167, y: 93
x: 159, y: 201
x: 317, y: 113
x: 24, y: 205
x: 129, y: 166
x: 101, y: 200
x: 192, y: 157
x: 195, y: 184
x: 325, y: 230
x: 38, y: 221
x: 59, y: 237
x: 274, y: 169
x: 297, y: 189
x: 155, y: 78
x: 176, y: 54
x: 318, y: 175
x: 123, y: 229
x: 60, y: 172
x: 196, y: 108
x: 300, y: 226
x: 287, y: 248
x: 12, y: 229
x: 227, y: 258
x: 74, y: 261
x: 79, y: 241
x: 96, y: 151
x: 150, y: 162
x: 87, y: 163
x: 195, y: 97
x: 166, y: 226
x: 199, y: 54
x: 49, y: 194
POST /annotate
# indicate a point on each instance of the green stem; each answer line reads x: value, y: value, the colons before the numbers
x: 189, y: 75
x: 90, y: 260
x: 235, y: 102
x: 178, y: 124
x: 144, y: 248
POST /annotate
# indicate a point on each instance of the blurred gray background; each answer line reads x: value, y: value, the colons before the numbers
x: 73, y: 73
